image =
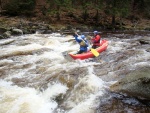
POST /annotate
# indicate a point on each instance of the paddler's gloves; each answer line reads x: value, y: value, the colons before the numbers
x: 74, y: 35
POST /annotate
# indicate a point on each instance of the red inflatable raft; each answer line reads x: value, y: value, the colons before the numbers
x: 89, y: 54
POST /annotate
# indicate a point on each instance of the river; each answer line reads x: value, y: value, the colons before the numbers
x: 36, y: 78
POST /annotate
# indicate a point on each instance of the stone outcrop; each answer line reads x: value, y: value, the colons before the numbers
x: 17, y: 32
x: 136, y: 84
x: 145, y: 40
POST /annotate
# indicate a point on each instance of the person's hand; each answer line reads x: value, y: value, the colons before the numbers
x: 75, y: 33
x: 88, y: 37
x: 79, y: 38
x: 92, y: 40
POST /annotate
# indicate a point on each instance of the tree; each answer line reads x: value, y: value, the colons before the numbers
x: 119, y: 8
x: 56, y: 6
x: 85, y: 4
x: 1, y: 4
x: 147, y: 8
x: 140, y: 6
x: 19, y: 7
x: 98, y: 5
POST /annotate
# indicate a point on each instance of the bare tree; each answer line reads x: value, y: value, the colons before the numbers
x: 0, y: 5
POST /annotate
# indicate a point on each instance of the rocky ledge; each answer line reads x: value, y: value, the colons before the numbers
x: 136, y: 83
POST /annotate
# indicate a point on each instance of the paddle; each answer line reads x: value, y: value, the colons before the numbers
x: 95, y: 53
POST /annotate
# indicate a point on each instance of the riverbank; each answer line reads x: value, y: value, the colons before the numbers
x: 22, y: 25
x: 26, y: 23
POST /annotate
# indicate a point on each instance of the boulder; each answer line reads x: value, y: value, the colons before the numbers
x: 2, y: 30
x: 1, y: 37
x: 145, y: 40
x: 136, y: 83
x: 7, y: 34
x: 17, y: 32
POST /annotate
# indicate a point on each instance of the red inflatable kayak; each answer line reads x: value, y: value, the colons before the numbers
x: 89, y: 54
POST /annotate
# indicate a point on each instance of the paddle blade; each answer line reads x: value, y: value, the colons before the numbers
x: 95, y: 52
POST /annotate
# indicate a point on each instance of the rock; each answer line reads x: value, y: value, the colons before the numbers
x: 5, y: 42
x: 136, y: 83
x: 47, y: 32
x: 17, y: 32
x: 145, y: 40
x: 2, y: 30
x: 1, y: 37
x: 148, y: 50
x: 7, y: 34
x: 147, y: 28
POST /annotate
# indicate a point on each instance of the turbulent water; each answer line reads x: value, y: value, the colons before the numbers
x: 36, y: 78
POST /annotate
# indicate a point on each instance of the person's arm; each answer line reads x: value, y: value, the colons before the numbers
x: 93, y: 39
x: 77, y: 38
x: 76, y: 33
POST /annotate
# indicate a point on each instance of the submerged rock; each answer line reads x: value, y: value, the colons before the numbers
x: 145, y: 40
x: 136, y: 83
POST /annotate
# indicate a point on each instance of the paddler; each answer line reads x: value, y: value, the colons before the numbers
x: 82, y: 42
x: 96, y: 40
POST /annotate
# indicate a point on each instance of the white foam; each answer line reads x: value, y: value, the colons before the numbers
x: 15, y: 99
x: 84, y: 95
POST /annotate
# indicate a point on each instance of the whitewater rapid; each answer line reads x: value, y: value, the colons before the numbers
x: 36, y: 78
x: 30, y: 60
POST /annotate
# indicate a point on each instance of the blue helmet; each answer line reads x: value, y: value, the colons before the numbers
x: 82, y: 36
x: 95, y: 32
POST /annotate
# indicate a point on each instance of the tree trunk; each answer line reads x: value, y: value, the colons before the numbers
x: 113, y: 20
x: 97, y: 17
x: 121, y: 26
x: 85, y: 15
x: 58, y: 13
x: 1, y: 5
x: 133, y: 6
x: 114, y: 14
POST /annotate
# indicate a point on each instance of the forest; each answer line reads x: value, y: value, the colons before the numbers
x: 88, y: 12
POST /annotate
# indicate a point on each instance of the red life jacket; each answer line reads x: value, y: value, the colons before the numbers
x: 96, y: 40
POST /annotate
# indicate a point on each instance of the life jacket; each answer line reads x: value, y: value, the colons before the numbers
x: 83, y: 43
x: 96, y: 40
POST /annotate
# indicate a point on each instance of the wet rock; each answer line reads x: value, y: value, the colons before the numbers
x: 145, y: 40
x: 17, y: 32
x: 148, y: 28
x: 2, y: 30
x: 6, y: 42
x: 136, y: 83
x: 148, y: 50
x: 7, y: 34
x: 47, y: 32
x: 1, y: 37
